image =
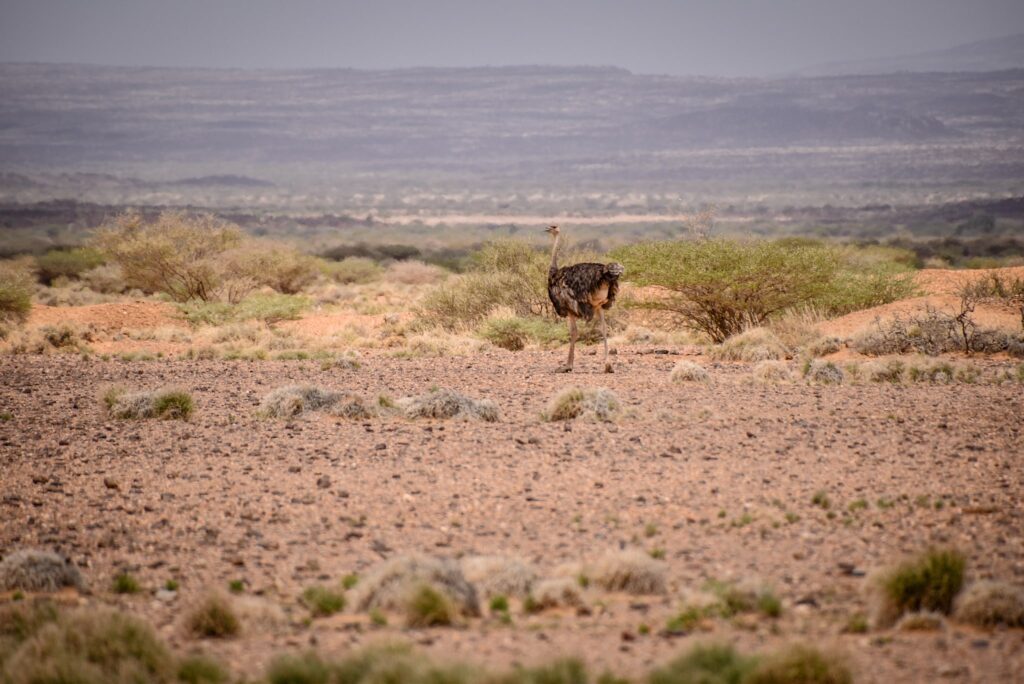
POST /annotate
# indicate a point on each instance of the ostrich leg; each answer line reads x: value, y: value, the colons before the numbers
x: 567, y: 368
x: 604, y: 333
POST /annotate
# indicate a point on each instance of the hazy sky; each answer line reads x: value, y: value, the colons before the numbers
x: 715, y: 37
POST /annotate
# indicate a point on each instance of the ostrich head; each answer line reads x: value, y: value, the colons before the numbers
x: 551, y: 230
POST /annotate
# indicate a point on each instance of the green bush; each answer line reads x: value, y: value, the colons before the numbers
x: 264, y: 263
x: 800, y: 664
x: 930, y: 581
x: 323, y: 601
x: 509, y: 274
x: 721, y: 287
x: 67, y: 263
x: 177, y: 255
x: 269, y: 308
x: 214, y: 618
x: 715, y: 664
x: 16, y: 287
x: 352, y: 269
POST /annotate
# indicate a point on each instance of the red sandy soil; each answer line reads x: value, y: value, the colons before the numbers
x: 231, y: 496
x: 113, y: 317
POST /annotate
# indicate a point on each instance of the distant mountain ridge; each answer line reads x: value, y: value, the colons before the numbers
x: 995, y: 54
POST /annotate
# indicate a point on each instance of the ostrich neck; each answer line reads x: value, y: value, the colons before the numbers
x: 554, y: 254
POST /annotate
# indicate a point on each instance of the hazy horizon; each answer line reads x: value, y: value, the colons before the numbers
x: 744, y: 38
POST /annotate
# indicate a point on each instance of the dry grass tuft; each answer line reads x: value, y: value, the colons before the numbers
x: 800, y: 664
x: 929, y: 581
x: 884, y: 371
x: 593, y: 403
x: 168, y: 404
x: 214, y: 618
x: 446, y: 403
x: 921, y: 621
x: 823, y: 372
x: 631, y: 571
x: 34, y: 570
x: 294, y: 400
x: 557, y: 592
x: 771, y: 372
x: 500, y: 575
x: 750, y: 346
x: 88, y: 646
x: 988, y: 604
x: 688, y: 371
x: 393, y: 584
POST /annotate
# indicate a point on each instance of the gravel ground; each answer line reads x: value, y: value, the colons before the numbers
x: 705, y: 472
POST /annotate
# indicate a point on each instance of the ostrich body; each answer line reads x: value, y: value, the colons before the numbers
x: 580, y: 291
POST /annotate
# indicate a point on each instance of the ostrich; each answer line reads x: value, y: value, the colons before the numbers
x: 578, y: 291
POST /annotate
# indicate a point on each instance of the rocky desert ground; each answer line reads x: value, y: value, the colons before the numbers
x: 799, y: 488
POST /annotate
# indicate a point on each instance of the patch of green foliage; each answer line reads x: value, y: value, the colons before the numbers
x: 721, y: 287
x: 67, y: 263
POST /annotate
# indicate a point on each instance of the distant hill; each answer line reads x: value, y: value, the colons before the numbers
x: 985, y: 55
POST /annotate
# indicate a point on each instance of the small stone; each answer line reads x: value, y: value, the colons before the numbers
x: 165, y: 595
x: 323, y: 482
x: 111, y: 483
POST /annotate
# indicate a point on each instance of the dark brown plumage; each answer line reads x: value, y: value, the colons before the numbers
x: 570, y: 287
x: 580, y: 291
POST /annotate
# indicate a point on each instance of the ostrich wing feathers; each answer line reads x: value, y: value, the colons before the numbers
x: 570, y: 288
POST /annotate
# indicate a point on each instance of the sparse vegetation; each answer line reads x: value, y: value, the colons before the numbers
x: 750, y: 346
x: 555, y: 592
x: 988, y: 603
x: 589, y: 403
x: 446, y: 403
x: 167, y: 404
x: 823, y: 372
x: 799, y: 664
x: 214, y: 618
x: 771, y: 372
x: 37, y: 571
x: 707, y: 664
x: 323, y: 601
x: 688, y: 371
x: 929, y: 581
x: 428, y: 607
x: 66, y: 263
x: 722, y: 287
x: 631, y: 571
x: 499, y: 575
x: 16, y: 286
x: 393, y: 584
x: 125, y: 583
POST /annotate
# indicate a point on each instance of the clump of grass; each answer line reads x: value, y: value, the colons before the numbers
x: 823, y: 372
x: 506, y: 333
x: 884, y: 371
x: 631, y: 571
x: 500, y: 575
x: 446, y: 403
x: 821, y: 500
x: 929, y: 581
x: 290, y: 401
x: 734, y: 598
x: 166, y: 404
x: 933, y: 371
x: 37, y: 571
x: 390, y: 585
x: 705, y: 664
x: 199, y: 669
x: 921, y: 621
x: 125, y: 583
x: 799, y: 664
x: 214, y: 618
x: 989, y: 603
x: 236, y: 586
x: 593, y: 403
x: 428, y: 607
x: 555, y: 592
x: 824, y: 346
x: 323, y: 601
x: 750, y: 346
x: 349, y: 581
x: 87, y: 645
x: 771, y: 372
x: 688, y: 371
x: 498, y: 604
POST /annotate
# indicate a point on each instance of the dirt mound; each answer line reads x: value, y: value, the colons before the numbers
x: 111, y: 317
x: 985, y: 315
x: 324, y: 325
x: 942, y: 281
